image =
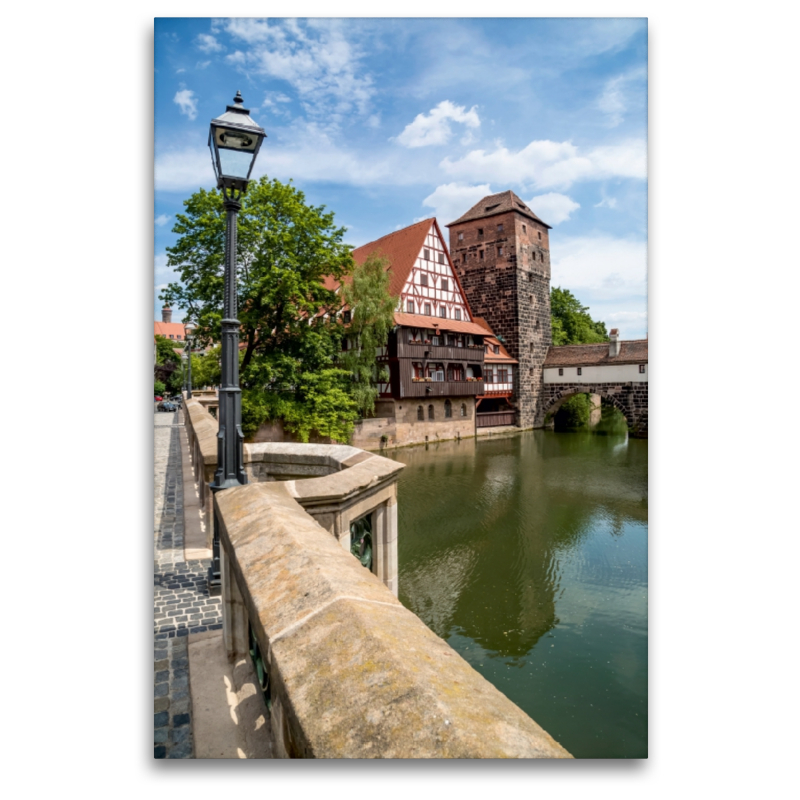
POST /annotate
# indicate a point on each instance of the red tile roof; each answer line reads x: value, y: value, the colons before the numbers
x: 420, y: 321
x: 494, y: 204
x: 491, y: 357
x: 587, y: 355
x: 166, y: 328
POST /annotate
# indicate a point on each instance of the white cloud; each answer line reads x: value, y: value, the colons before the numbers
x: 187, y: 102
x: 183, y: 170
x: 615, y: 99
x: 178, y: 71
x: 607, y: 202
x: 207, y: 43
x: 608, y: 266
x: 313, y: 56
x: 548, y: 164
x: 435, y: 127
x: 162, y: 219
x: 451, y: 200
x: 201, y: 64
x: 374, y: 121
x: 552, y: 207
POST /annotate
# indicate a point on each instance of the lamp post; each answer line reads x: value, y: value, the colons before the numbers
x: 234, y: 140
x: 189, y: 327
x: 184, y: 358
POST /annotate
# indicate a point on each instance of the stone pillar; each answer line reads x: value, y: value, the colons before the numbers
x: 596, y: 412
x: 234, y: 614
x: 385, y: 517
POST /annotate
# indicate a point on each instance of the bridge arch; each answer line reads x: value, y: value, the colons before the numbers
x: 629, y: 398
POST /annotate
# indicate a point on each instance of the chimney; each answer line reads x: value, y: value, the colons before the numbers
x: 166, y: 314
x: 613, y: 343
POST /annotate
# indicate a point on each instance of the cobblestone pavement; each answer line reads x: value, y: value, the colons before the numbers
x: 181, y: 601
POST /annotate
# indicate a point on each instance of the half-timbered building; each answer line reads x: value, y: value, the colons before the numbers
x: 436, y: 353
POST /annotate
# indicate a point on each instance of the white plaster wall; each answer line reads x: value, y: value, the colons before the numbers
x: 606, y: 373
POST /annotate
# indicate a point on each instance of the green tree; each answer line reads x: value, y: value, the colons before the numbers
x: 570, y: 320
x: 372, y: 307
x: 285, y: 251
x: 571, y: 324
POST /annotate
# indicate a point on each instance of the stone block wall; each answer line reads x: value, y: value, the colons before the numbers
x: 352, y: 673
x: 512, y: 293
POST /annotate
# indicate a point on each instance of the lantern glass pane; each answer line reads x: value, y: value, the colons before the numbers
x: 235, y: 163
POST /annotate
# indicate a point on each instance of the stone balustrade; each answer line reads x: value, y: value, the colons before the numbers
x: 352, y: 673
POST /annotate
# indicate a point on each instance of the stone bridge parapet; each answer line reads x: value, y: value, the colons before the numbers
x: 350, y: 672
x: 628, y: 397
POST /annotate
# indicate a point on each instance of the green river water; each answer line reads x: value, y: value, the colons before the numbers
x: 528, y: 555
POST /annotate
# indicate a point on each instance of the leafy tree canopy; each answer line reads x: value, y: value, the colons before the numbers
x: 165, y: 350
x: 367, y: 294
x: 571, y: 323
x: 285, y: 249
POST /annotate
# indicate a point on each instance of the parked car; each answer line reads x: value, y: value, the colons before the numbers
x: 158, y: 398
x: 166, y: 405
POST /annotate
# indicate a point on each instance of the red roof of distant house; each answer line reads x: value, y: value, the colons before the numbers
x: 175, y: 329
x: 587, y: 355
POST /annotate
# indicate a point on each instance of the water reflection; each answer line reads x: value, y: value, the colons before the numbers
x: 505, y: 541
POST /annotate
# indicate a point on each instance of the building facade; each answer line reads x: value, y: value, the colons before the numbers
x: 501, y: 253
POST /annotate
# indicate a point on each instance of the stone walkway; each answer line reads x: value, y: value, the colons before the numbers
x: 181, y: 602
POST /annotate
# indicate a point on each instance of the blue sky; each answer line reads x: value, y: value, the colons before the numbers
x: 389, y: 121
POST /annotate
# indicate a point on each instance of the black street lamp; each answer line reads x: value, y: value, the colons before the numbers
x: 183, y: 369
x: 234, y: 140
x: 188, y: 327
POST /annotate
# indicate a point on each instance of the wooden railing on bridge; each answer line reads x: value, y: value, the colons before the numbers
x: 493, y: 419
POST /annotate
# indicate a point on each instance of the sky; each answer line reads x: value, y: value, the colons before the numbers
x: 389, y: 121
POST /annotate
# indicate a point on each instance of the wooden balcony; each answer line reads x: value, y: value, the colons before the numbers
x: 417, y: 352
x: 440, y: 388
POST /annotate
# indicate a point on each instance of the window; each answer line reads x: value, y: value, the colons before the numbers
x: 641, y: 369
x: 435, y: 341
x: 561, y: 370
x: 465, y: 258
x: 463, y: 410
x: 171, y: 336
x: 418, y: 371
x: 445, y: 287
x: 347, y: 316
x: 580, y: 371
x: 496, y: 349
x: 441, y: 258
x: 430, y: 412
x: 423, y: 279
x: 502, y: 375
x: 480, y: 256
x: 427, y: 254
x: 427, y: 309
x: 448, y: 409
x: 460, y: 237
x: 443, y: 312
x: 420, y: 414
x: 480, y: 231
x: 457, y: 313
x: 540, y: 234
x: 530, y: 276
x: 489, y: 375
x: 499, y: 251
x: 500, y: 227
x: 179, y: 336
x: 524, y: 228
x: 410, y: 306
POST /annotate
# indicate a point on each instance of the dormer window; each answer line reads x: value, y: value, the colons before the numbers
x: 496, y: 349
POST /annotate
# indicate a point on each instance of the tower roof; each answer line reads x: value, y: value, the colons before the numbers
x: 494, y: 204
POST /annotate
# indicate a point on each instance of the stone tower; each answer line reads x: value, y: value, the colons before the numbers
x: 501, y: 251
